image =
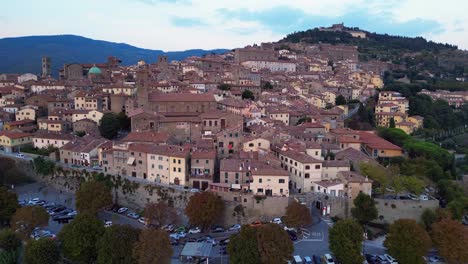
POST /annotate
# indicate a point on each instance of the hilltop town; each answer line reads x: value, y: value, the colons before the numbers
x: 261, y: 127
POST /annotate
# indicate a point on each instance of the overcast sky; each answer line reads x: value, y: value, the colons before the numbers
x: 208, y: 24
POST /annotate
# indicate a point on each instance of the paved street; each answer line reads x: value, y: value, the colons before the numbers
x: 313, y: 242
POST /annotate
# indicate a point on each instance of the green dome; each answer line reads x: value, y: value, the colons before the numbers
x: 94, y: 70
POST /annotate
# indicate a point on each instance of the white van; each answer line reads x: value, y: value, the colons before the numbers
x: 327, y: 259
x: 298, y: 259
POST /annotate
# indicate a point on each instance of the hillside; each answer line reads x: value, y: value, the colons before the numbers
x: 417, y: 54
x: 23, y: 54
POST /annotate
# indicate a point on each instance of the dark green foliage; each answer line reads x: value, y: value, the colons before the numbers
x: 345, y: 239
x: 8, y: 240
x: 340, y: 100
x: 80, y: 133
x: 39, y: 151
x: 303, y: 120
x: 92, y: 197
x: 394, y: 135
x: 124, y: 121
x: 224, y: 87
x: 407, y: 241
x: 116, y: 245
x: 428, y: 217
x: 9, y: 257
x: 42, y: 251
x: 247, y: 94
x: 44, y: 166
x: 79, y: 238
x: 8, y: 204
x: 242, y: 247
x: 267, y: 86
x: 392, y: 123
x: 109, y: 125
x: 364, y: 209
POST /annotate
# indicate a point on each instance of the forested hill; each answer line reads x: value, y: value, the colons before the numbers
x: 23, y: 54
x: 373, y: 40
x: 419, y: 55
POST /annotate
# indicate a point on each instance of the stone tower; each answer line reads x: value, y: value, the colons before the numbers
x: 46, y: 66
x: 142, y: 78
x: 162, y: 61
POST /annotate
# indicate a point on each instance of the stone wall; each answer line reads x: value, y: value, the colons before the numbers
x: 392, y: 210
x: 250, y: 209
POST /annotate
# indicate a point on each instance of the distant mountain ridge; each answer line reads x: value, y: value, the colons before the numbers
x: 23, y: 54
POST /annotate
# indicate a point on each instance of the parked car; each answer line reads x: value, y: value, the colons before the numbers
x: 217, y: 229
x: 143, y: 220
x: 174, y: 236
x: 20, y: 155
x: 181, y: 234
x: 235, y: 227
x: 49, y: 205
x: 72, y: 213
x: 316, y: 259
x: 211, y: 241
x: 174, y: 242
x: 194, y: 230
x: 168, y: 228
x: 423, y: 197
x: 194, y: 190
x: 371, y: 259
x: 36, y: 201
x: 56, y: 210
x: 308, y: 260
x: 328, y: 259
x: 63, y: 218
x: 290, y: 229
x: 122, y: 210
x: 413, y: 196
x: 390, y: 259
x: 97, y: 168
x: 133, y: 215
x: 107, y: 223
x: 224, y: 242
x: 277, y: 220
x: 292, y: 235
x: 382, y: 259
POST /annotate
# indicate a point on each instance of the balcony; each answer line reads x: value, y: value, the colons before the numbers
x: 201, y: 175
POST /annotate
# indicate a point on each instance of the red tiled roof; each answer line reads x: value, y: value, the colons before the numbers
x: 180, y: 97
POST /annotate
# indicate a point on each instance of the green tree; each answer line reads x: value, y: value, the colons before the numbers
x: 224, y: 87
x: 340, y: 100
x: 43, y: 166
x: 364, y: 209
x: 267, y: 86
x: 116, y: 245
x: 379, y: 174
x: 79, y: 238
x: 92, y: 197
x: 153, y: 246
x: 451, y: 239
x: 392, y: 123
x: 42, y: 251
x: 80, y: 133
x: 109, y: 125
x: 428, y: 217
x: 247, y: 94
x: 274, y: 244
x: 27, y: 218
x: 242, y: 247
x: 345, y: 239
x: 407, y: 241
x: 8, y: 204
x: 297, y: 215
x: 8, y: 240
x: 124, y: 121
x: 204, y: 209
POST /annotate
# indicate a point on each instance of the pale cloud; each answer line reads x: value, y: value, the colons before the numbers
x: 185, y: 24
